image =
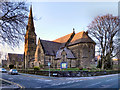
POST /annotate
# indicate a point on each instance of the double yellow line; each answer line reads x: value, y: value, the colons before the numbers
x: 12, y: 83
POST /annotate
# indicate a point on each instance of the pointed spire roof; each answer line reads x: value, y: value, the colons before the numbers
x: 30, y: 25
x: 39, y: 41
x: 30, y: 14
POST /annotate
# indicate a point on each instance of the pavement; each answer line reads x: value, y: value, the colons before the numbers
x: 37, y: 81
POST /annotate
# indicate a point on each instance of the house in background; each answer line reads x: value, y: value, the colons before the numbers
x: 4, y: 63
x: 115, y: 61
x: 15, y: 59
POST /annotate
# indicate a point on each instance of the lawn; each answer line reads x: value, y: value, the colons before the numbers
x: 75, y: 69
x: 68, y: 69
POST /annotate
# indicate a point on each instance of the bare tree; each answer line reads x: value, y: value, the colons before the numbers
x: 104, y: 30
x: 118, y: 37
x: 13, y: 20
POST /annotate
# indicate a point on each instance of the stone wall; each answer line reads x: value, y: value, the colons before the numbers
x: 84, y: 53
x: 70, y: 73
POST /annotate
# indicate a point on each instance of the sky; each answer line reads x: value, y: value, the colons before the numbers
x: 56, y: 19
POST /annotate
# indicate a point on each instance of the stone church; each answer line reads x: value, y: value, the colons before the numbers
x: 77, y: 49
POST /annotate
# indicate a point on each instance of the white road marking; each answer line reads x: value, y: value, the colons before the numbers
x: 55, y: 84
x: 63, y: 83
x: 48, y: 80
x: 109, y: 80
x: 43, y: 80
x: 93, y: 84
x: 20, y: 78
x: 10, y: 78
x: 37, y: 87
x: 104, y: 86
x: 58, y: 84
x: 38, y: 79
x: 68, y: 82
x: 72, y: 81
x: 78, y: 80
x: 93, y: 77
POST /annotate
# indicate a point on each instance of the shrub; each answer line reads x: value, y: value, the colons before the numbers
x: 14, y: 67
x: 41, y: 66
x: 11, y: 66
x: 89, y: 68
x: 84, y: 69
x: 36, y: 68
x: 80, y: 68
x: 99, y: 65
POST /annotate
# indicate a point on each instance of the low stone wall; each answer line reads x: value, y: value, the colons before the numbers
x: 69, y: 73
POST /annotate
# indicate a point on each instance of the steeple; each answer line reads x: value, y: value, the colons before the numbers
x: 30, y: 41
x: 30, y: 26
x: 39, y: 41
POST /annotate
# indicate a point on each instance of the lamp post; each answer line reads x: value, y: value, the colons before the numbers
x: 49, y: 68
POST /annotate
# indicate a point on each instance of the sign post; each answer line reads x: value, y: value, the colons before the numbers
x: 63, y: 65
x: 49, y: 68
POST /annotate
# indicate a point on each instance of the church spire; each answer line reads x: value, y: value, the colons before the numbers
x: 30, y: 14
x: 30, y: 25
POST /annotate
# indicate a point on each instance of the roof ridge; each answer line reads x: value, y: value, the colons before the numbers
x: 65, y: 38
x: 62, y: 36
x: 50, y: 41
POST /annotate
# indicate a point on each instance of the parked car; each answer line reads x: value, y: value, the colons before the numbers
x: 13, y: 72
x: 3, y: 70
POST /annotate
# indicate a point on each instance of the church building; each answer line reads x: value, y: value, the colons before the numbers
x: 76, y: 49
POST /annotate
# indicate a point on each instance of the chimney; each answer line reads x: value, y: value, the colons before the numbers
x: 86, y: 32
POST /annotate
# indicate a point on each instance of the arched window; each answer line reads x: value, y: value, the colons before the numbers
x: 39, y: 55
x: 63, y: 56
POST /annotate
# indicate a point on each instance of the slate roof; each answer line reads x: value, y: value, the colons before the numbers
x: 63, y: 39
x: 56, y: 46
x: 18, y: 57
x: 49, y: 47
x: 82, y: 40
x: 80, y: 37
x: 66, y: 37
x: 68, y: 53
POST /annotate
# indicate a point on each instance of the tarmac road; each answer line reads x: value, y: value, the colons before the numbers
x: 36, y: 81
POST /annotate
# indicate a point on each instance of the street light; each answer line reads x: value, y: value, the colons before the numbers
x: 49, y: 68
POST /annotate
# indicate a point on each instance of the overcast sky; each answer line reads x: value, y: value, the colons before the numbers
x: 56, y: 19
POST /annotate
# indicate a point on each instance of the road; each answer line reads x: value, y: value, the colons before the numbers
x: 36, y: 81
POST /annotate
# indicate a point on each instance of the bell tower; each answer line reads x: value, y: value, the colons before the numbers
x: 30, y: 42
